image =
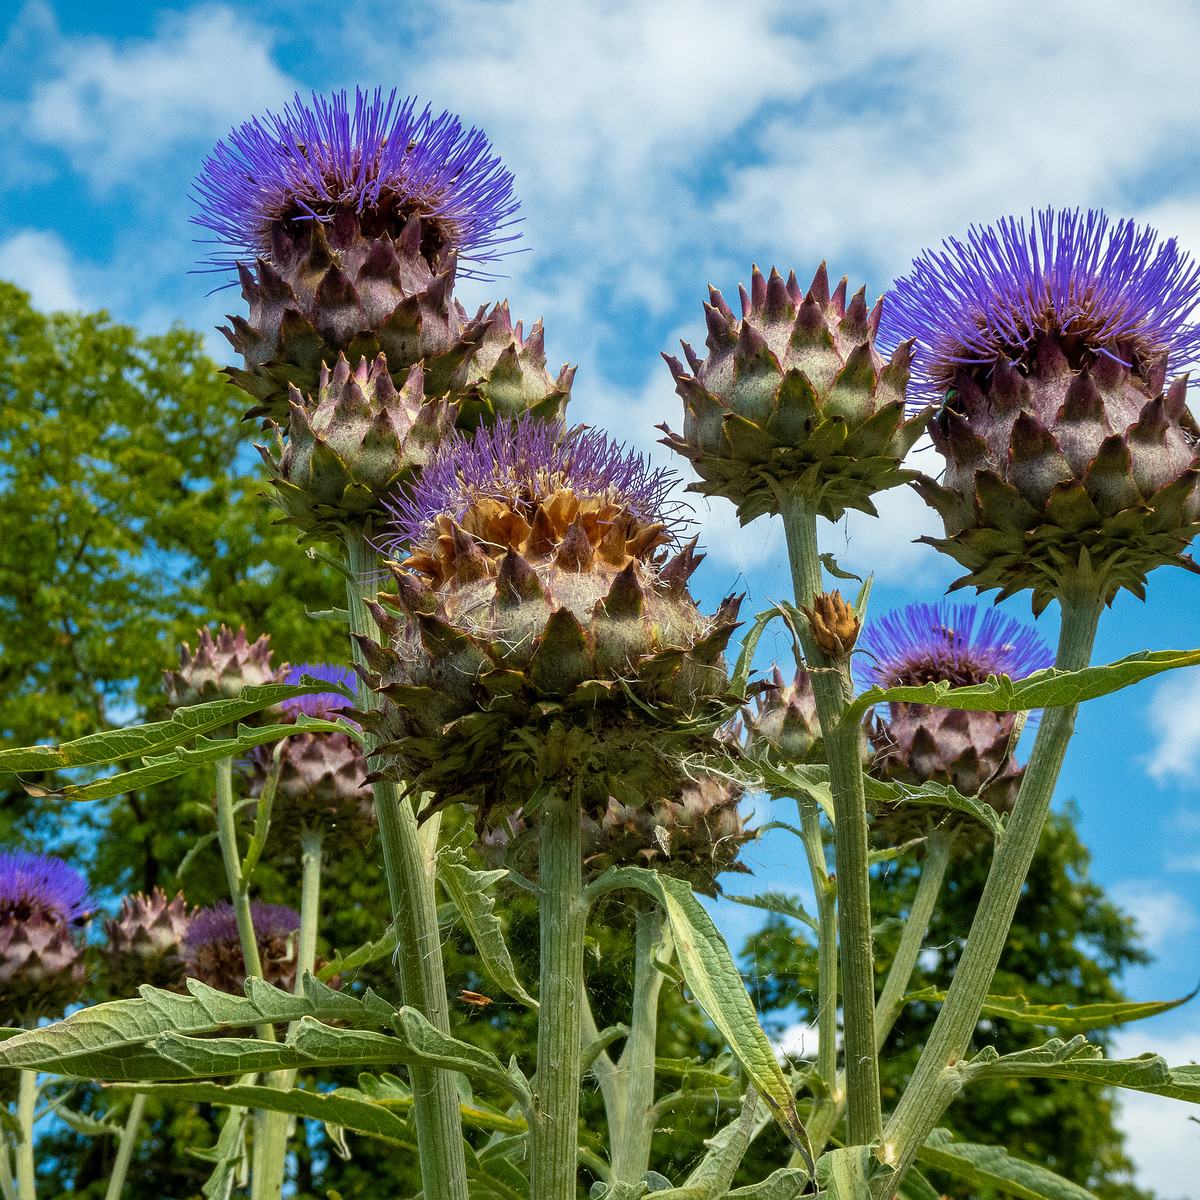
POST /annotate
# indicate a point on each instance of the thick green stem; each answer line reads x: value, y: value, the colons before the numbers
x: 129, y: 1140
x: 410, y: 877
x: 933, y: 872
x: 26, y: 1104
x: 8, y: 1185
x: 633, y: 1133
x: 825, y: 890
x: 929, y: 1092
x: 554, y: 1158
x: 832, y: 687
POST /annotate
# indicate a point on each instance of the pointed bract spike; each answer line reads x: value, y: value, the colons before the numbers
x: 575, y: 552
x: 625, y: 599
x: 747, y: 302
x: 470, y: 562
x: 717, y: 301
x: 818, y: 290
x: 793, y: 289
x: 676, y: 367
x: 416, y: 598
x: 542, y: 536
x: 721, y: 333
x: 678, y: 570
x: 1177, y: 397
x: 854, y: 326
x: 410, y: 237
x: 694, y: 360
x: 777, y: 304
x: 838, y: 299
x: 758, y: 287
x: 250, y: 289
x: 517, y: 582
x: 874, y: 319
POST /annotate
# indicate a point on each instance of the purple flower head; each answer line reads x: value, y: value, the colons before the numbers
x: 320, y: 704
x: 923, y: 643
x: 37, y: 885
x: 217, y: 924
x: 1111, y: 289
x: 524, y: 462
x: 384, y: 160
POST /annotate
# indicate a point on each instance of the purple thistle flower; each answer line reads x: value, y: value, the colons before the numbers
x: 526, y: 461
x: 923, y: 643
x: 218, y: 924
x: 40, y: 886
x: 385, y: 157
x: 320, y: 704
x: 1116, y: 288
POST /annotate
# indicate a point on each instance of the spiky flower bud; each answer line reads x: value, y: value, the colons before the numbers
x: 1047, y: 348
x: 220, y: 668
x: 143, y: 942
x: 919, y: 743
x: 505, y: 376
x: 783, y: 725
x: 355, y: 221
x: 833, y: 622
x: 43, y: 905
x: 322, y: 776
x: 360, y: 442
x: 548, y: 634
x: 212, y: 949
x: 793, y: 398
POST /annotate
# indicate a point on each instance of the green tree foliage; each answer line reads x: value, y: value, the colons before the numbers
x: 1067, y: 945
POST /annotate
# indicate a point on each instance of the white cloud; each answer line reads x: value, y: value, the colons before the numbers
x: 40, y: 262
x: 1161, y: 915
x: 1163, y: 1143
x: 114, y: 105
x: 1175, y: 717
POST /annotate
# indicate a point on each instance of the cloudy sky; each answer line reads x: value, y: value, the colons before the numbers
x: 658, y: 147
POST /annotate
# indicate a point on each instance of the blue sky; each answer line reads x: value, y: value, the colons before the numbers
x: 659, y: 146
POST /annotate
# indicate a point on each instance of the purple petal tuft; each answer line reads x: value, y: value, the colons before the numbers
x: 320, y: 703
x: 38, y: 883
x: 209, y: 926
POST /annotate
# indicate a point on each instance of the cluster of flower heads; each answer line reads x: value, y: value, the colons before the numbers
x: 524, y: 462
x: 212, y: 947
x: 1117, y: 288
x: 384, y: 157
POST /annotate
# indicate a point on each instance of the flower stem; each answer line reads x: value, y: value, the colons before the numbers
x: 929, y: 1093
x: 26, y: 1104
x: 933, y: 871
x: 554, y: 1160
x: 825, y: 890
x: 832, y: 686
x: 633, y: 1133
x: 129, y: 1139
x: 409, y: 870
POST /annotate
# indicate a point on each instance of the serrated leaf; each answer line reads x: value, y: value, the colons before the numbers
x: 468, y: 890
x: 940, y: 795
x: 1071, y: 1018
x: 787, y: 1183
x: 368, y: 952
x: 120, y: 1025
x: 799, y: 780
x: 776, y: 902
x: 184, y: 759
x: 1078, y: 1059
x: 994, y: 1167
x: 138, y: 741
x: 712, y: 1175
x: 740, y: 676
x: 1050, y: 688
x: 715, y: 982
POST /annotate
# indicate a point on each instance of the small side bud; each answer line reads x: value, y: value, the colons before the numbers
x: 834, y: 623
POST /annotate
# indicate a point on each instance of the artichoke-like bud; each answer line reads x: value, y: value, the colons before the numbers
x: 783, y: 725
x: 144, y: 939
x: 355, y: 219
x: 794, y: 398
x: 920, y: 743
x: 361, y: 441
x: 1048, y: 349
x: 212, y: 949
x: 220, y: 668
x: 548, y: 633
x: 43, y: 906
x: 833, y: 622
x: 506, y: 376
x: 322, y: 776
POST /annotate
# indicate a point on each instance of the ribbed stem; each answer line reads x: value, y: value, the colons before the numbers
x: 26, y: 1104
x: 891, y: 998
x: 632, y: 1137
x: 129, y: 1139
x: 825, y: 890
x: 832, y: 686
x: 410, y: 879
x: 554, y: 1158
x: 928, y: 1094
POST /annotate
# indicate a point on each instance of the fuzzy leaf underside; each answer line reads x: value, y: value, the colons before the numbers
x: 141, y: 741
x: 714, y: 980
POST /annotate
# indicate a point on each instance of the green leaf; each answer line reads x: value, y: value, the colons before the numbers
x: 1078, y: 1059
x: 994, y: 1167
x: 712, y: 1175
x: 102, y: 1031
x: 714, y: 980
x: 831, y: 565
x: 1043, y: 689
x: 917, y: 1187
x: 1070, y: 1018
x: 183, y: 759
x: 740, y: 676
x: 468, y: 890
x: 138, y: 741
x: 847, y: 1173
x: 796, y: 780
x: 229, y: 1156
x: 941, y: 795
x: 776, y: 902
x: 368, y: 952
x: 864, y: 595
x: 787, y: 1183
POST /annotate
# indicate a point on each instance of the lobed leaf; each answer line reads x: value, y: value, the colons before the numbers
x: 368, y: 952
x: 776, y: 902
